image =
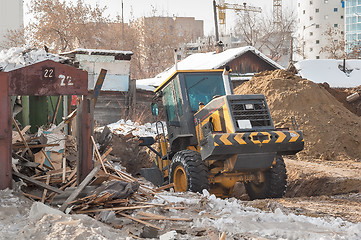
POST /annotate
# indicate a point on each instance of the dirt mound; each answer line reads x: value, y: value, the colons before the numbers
x: 330, y: 130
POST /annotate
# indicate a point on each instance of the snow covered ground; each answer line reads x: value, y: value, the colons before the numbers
x: 22, y: 219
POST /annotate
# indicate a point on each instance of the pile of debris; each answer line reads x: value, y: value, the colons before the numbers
x: 46, y: 162
x: 123, y: 136
x: 329, y: 128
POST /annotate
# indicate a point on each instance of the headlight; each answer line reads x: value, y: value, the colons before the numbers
x: 249, y: 106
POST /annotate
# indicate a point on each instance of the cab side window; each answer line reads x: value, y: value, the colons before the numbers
x: 169, y: 103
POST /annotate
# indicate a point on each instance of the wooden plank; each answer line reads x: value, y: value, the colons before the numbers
x: 16, y: 137
x: 35, y: 145
x: 140, y: 221
x: 49, y: 160
x: 31, y: 196
x: 72, y: 174
x: 64, y: 170
x: 22, y: 138
x: 164, y: 187
x: 152, y: 216
x: 45, y: 190
x: 82, y: 185
x: 118, y: 209
x: 97, y: 154
x: 40, y: 184
x: 65, y: 121
x: 56, y: 109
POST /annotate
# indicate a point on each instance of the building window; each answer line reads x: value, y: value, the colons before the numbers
x: 335, y: 25
x: 335, y: 9
x: 311, y: 49
x: 317, y: 57
x: 326, y: 16
x: 311, y: 33
x: 317, y: 25
x: 341, y: 16
x: 299, y: 5
x: 299, y: 20
x: 311, y: 2
x: 317, y: 10
x: 311, y: 18
x: 304, y: 11
x: 341, y: 32
x: 317, y: 41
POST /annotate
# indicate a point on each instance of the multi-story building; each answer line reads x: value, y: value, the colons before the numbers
x: 353, y: 25
x: 314, y: 21
x: 11, y: 17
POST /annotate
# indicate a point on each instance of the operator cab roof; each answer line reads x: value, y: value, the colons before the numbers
x: 171, y: 77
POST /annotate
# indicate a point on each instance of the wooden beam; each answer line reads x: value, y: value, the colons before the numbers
x: 22, y: 138
x: 140, y: 221
x: 118, y: 209
x: 82, y: 185
x: 97, y: 154
x: 45, y: 190
x: 40, y: 184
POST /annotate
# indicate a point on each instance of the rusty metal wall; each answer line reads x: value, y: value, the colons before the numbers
x: 43, y: 79
x: 48, y: 78
x: 5, y: 134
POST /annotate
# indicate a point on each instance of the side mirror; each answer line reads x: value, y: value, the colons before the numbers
x: 155, y: 110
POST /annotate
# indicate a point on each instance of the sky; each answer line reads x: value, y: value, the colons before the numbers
x: 200, y: 9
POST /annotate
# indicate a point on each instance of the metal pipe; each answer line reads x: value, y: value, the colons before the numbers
x: 226, y: 81
x: 215, y: 20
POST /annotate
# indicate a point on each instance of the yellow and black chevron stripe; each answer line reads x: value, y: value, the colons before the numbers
x: 257, y: 138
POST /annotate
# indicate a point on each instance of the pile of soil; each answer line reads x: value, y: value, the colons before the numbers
x: 341, y: 94
x: 331, y: 131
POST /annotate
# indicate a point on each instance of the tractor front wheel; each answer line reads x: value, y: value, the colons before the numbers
x: 274, y: 185
x: 188, y: 172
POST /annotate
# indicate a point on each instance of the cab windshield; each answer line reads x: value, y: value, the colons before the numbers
x: 203, y: 87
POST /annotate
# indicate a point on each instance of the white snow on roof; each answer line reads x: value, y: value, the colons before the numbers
x: 98, y: 51
x: 328, y: 70
x: 202, y: 61
x: 14, y: 58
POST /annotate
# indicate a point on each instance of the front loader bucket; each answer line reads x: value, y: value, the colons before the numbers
x: 153, y: 175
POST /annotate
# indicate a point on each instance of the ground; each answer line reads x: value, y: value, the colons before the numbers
x: 322, y: 202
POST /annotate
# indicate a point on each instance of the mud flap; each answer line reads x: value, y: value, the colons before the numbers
x: 154, y: 175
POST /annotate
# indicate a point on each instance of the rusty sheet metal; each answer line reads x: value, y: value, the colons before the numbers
x: 5, y: 134
x: 48, y: 78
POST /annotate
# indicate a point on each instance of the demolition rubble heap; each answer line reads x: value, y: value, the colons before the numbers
x: 329, y: 127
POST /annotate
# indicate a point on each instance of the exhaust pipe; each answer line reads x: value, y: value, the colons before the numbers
x: 227, y: 81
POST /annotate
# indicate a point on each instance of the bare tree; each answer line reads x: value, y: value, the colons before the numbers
x: 335, y: 46
x: 250, y: 27
x: 62, y: 25
x: 14, y: 38
x: 261, y: 32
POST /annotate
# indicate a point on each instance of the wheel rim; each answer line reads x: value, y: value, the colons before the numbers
x: 180, y: 179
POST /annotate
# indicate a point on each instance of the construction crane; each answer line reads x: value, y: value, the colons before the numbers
x: 222, y: 7
x: 277, y: 13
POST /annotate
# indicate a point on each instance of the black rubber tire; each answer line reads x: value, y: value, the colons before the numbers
x: 195, y: 169
x: 275, y: 183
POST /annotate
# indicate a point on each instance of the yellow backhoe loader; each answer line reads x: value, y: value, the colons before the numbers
x: 216, y: 139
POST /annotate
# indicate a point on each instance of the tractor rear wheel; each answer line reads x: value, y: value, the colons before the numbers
x: 188, y: 172
x: 274, y: 185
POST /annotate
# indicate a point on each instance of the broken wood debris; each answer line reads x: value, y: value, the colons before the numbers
x: 105, y: 189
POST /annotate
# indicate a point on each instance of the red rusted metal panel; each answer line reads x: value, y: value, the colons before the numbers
x: 5, y: 134
x: 84, y: 162
x: 48, y: 78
